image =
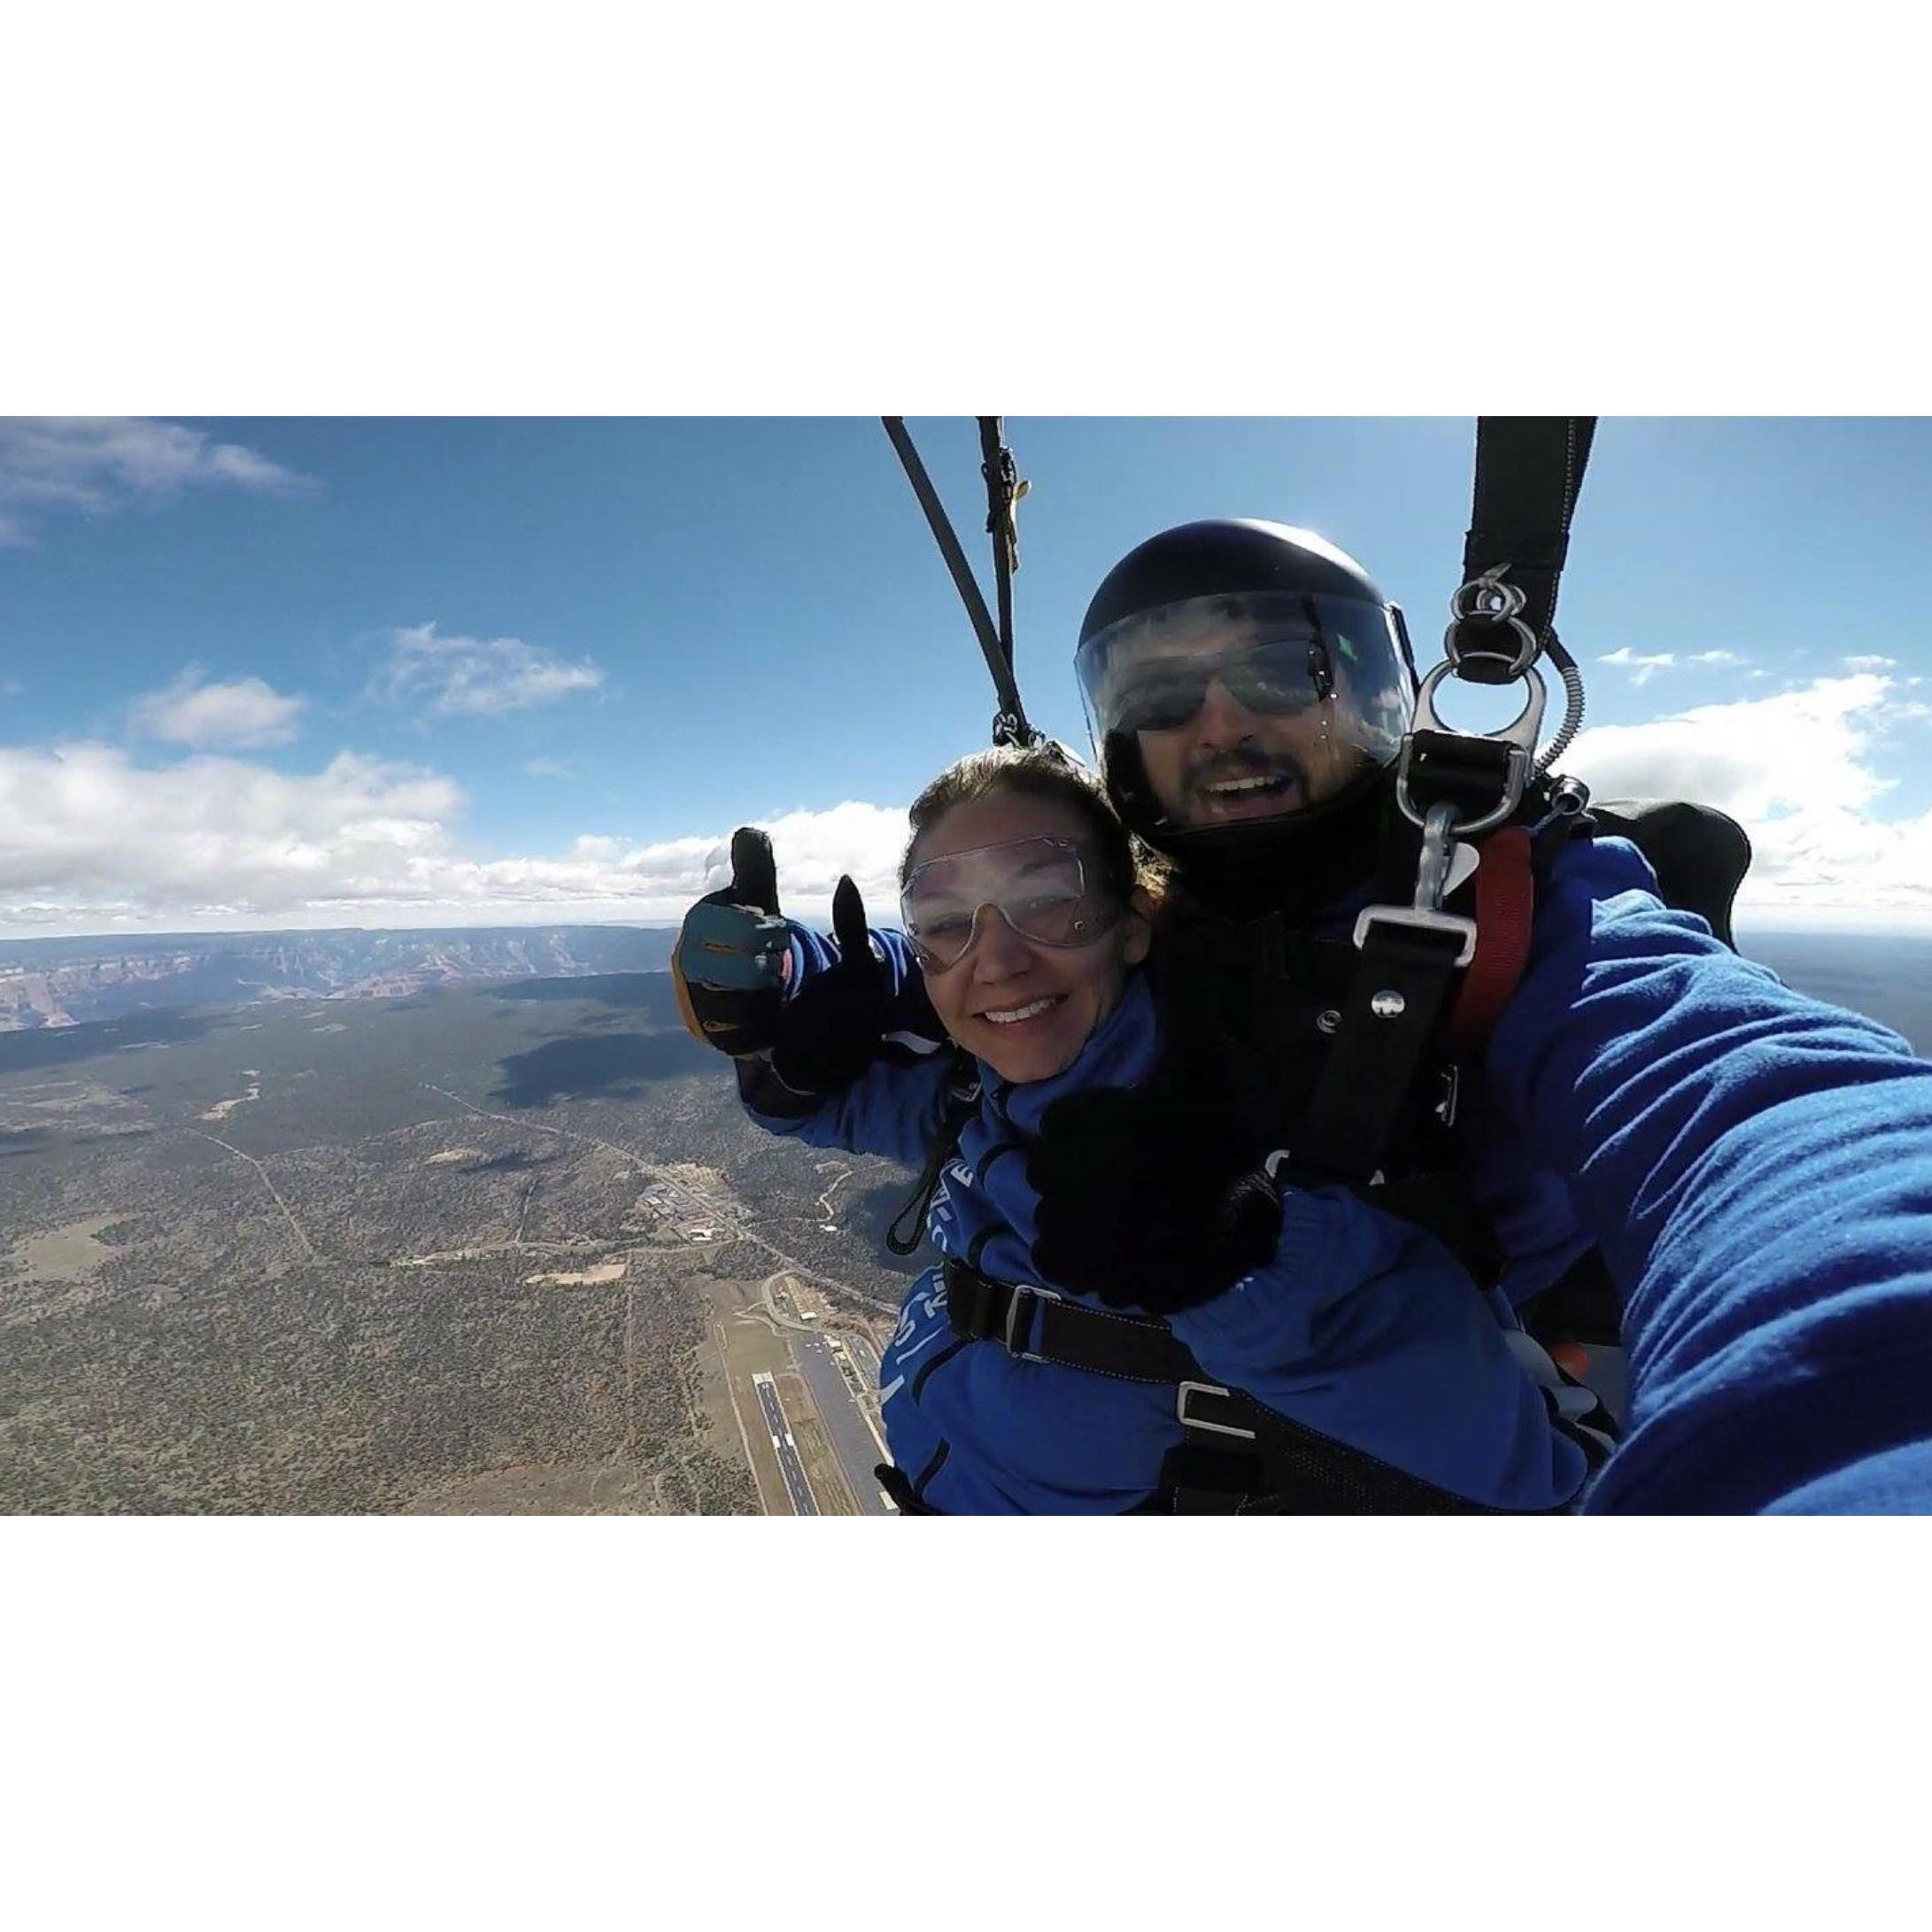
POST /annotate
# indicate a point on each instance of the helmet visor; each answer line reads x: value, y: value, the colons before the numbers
x: 1252, y: 706
x: 1042, y: 887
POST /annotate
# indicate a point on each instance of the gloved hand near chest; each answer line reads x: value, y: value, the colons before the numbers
x: 1152, y: 1197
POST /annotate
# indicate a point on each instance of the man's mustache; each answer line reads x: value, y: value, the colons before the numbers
x: 1224, y: 766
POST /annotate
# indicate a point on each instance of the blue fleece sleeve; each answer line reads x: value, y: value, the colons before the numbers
x: 1758, y: 1167
x: 898, y: 1104
x: 893, y: 1109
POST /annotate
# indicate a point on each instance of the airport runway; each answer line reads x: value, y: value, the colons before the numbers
x: 794, y: 1471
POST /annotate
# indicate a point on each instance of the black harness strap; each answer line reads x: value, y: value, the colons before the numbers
x: 1037, y: 1327
x: 1236, y: 1456
x: 909, y: 1228
x: 1529, y: 472
x: 1395, y: 1004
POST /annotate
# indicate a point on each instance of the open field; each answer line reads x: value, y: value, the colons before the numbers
x: 469, y: 1251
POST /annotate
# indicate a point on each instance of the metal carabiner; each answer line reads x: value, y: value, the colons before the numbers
x: 1520, y: 735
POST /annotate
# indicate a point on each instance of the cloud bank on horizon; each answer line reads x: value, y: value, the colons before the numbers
x: 94, y: 839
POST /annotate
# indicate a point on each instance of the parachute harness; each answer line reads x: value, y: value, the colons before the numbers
x: 1005, y: 487
x: 1424, y: 974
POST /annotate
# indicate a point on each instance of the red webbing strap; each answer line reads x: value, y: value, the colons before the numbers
x: 1505, y: 906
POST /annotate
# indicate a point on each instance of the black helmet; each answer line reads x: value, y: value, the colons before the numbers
x: 1310, y: 661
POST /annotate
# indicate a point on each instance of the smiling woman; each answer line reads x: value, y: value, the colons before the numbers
x: 1021, y: 894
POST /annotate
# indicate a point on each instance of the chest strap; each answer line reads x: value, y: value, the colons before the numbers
x: 1040, y: 1327
x: 1236, y: 1456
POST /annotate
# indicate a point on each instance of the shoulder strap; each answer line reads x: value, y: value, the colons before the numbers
x: 909, y: 1228
x: 1506, y: 915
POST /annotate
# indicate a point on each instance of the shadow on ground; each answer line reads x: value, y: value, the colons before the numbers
x: 650, y: 994
x: 64, y: 1046
x: 612, y: 1066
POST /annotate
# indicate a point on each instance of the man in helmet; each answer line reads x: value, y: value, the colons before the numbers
x: 1240, y: 678
x: 1247, y: 686
x: 1754, y: 1168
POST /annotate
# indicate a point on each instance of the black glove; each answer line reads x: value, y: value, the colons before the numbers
x: 1152, y: 1197
x: 728, y: 964
x: 829, y: 1031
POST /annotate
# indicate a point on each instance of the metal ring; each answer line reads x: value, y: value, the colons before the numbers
x: 1526, y: 651
x: 1495, y: 602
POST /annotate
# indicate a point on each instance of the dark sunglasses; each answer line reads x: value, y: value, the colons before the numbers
x: 1277, y: 679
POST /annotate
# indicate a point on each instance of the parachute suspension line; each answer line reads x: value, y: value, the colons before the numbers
x: 1004, y: 489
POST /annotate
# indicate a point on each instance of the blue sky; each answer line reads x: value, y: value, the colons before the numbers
x: 287, y: 672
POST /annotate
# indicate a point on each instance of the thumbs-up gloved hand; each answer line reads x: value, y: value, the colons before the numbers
x: 728, y: 965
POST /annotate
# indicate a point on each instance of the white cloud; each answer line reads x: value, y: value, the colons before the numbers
x: 813, y: 848
x: 1871, y: 662
x: 1794, y: 769
x: 95, y: 464
x: 477, y: 677
x: 549, y: 767
x: 1643, y: 669
x: 248, y: 714
x: 93, y: 842
x: 1718, y: 657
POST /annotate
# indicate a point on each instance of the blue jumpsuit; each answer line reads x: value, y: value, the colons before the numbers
x: 1757, y: 1165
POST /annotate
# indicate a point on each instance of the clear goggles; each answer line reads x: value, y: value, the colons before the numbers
x: 1274, y: 656
x: 1040, y: 886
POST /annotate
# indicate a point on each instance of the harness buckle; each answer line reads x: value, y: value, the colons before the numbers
x: 1432, y: 881
x: 1428, y: 922
x: 1188, y: 1421
x: 1019, y: 1321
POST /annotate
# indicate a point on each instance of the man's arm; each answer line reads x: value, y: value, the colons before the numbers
x: 1758, y: 1167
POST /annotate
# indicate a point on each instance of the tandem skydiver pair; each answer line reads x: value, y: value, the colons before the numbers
x: 1274, y: 1238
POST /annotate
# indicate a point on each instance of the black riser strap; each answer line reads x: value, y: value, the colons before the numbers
x: 996, y: 653
x: 1529, y: 472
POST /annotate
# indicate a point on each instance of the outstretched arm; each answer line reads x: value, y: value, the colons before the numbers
x: 1758, y: 1167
